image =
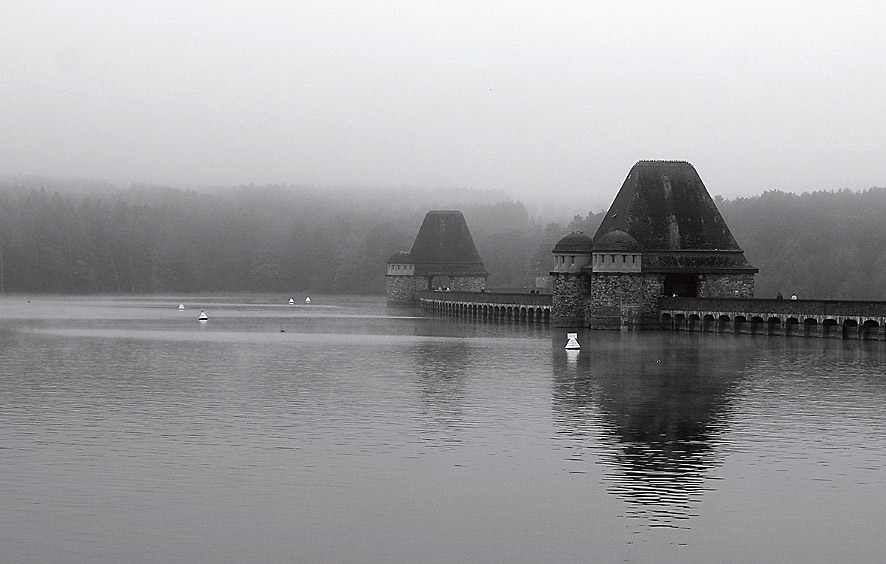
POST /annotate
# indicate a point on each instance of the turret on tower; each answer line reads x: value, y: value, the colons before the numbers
x: 571, y: 284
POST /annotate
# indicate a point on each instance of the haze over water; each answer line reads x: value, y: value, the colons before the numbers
x: 345, y: 431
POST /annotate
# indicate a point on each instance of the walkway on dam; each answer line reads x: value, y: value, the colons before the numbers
x: 515, y: 306
x: 747, y: 316
x: 801, y: 318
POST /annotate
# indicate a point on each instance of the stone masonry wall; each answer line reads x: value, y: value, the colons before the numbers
x: 405, y: 289
x: 624, y: 300
x: 570, y: 293
x: 726, y: 286
x: 467, y: 283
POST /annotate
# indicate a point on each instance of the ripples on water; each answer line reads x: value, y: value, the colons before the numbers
x: 346, y: 432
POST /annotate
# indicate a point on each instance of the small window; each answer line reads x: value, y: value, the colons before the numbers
x: 624, y: 259
x: 612, y: 259
x: 572, y: 259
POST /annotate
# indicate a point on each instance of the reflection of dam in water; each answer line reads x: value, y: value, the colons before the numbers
x: 652, y: 412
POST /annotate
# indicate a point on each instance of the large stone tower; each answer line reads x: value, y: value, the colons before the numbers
x: 662, y: 236
x: 443, y: 251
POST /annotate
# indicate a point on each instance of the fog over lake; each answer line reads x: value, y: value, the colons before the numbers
x: 345, y: 431
x: 526, y: 97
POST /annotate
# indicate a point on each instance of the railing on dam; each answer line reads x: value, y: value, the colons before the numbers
x: 516, y: 306
x: 803, y: 318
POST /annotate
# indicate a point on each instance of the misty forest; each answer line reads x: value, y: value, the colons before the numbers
x: 79, y: 238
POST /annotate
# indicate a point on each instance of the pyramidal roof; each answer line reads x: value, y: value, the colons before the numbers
x: 664, y: 205
x: 444, y: 246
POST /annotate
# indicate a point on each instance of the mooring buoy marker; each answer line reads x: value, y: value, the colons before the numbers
x: 572, y: 343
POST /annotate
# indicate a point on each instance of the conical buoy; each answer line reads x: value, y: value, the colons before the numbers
x: 291, y: 301
x: 181, y: 306
x: 308, y: 300
x: 203, y: 316
x: 572, y: 343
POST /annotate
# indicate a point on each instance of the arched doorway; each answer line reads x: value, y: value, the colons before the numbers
x: 681, y: 285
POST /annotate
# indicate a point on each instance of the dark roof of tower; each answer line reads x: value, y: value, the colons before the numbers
x: 617, y: 241
x: 664, y: 205
x: 444, y: 246
x: 575, y: 242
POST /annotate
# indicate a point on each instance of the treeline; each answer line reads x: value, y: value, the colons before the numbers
x: 819, y: 245
x: 277, y: 239
x: 249, y: 239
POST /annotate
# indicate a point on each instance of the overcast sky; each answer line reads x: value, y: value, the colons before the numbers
x: 550, y: 98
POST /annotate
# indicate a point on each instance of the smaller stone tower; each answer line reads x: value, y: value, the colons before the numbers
x: 618, y: 293
x: 443, y: 248
x: 401, y: 280
x: 571, y: 281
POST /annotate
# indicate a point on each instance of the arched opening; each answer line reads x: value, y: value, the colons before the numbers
x: 667, y: 322
x: 681, y: 285
x: 850, y: 329
x: 692, y: 324
x: 773, y: 326
x: 722, y: 323
x: 679, y: 322
x: 739, y: 323
x: 707, y: 322
x: 827, y: 327
x: 870, y: 330
x: 790, y: 326
x: 810, y: 326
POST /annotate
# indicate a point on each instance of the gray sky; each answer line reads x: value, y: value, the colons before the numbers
x: 550, y: 98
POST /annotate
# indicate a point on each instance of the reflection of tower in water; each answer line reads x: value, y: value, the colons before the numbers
x: 651, y: 408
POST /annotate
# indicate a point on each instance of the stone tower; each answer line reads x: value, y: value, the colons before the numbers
x: 662, y: 236
x: 442, y: 250
x: 571, y: 283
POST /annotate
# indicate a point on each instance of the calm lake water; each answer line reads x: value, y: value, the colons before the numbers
x: 132, y: 433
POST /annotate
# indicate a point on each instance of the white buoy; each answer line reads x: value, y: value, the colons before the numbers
x: 572, y: 343
x: 181, y: 306
x: 291, y: 301
x: 203, y: 316
x: 308, y: 300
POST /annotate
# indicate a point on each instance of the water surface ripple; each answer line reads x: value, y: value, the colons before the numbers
x: 345, y: 431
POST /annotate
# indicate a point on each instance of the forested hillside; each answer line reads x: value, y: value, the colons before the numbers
x: 337, y: 240
x: 827, y: 245
x: 254, y: 239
